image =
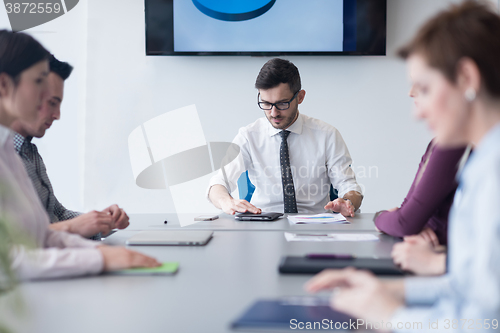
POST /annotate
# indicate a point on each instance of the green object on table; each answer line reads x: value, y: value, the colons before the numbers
x: 167, y: 268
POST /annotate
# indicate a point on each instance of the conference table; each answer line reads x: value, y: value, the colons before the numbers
x: 215, y: 283
x: 359, y: 223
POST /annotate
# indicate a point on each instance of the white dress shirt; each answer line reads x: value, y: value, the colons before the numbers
x: 54, y: 253
x: 471, y: 289
x: 318, y: 158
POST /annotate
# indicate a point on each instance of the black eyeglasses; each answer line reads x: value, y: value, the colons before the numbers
x: 279, y: 105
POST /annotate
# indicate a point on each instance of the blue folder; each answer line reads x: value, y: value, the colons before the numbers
x: 286, y: 315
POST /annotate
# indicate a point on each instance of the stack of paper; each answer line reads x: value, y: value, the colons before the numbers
x: 339, y: 237
x: 318, y: 218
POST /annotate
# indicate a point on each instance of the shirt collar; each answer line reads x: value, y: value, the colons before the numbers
x: 489, y: 141
x: 488, y: 144
x: 20, y: 140
x: 296, y: 127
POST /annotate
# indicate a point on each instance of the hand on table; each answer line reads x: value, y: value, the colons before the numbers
x: 339, y: 205
x: 232, y: 206
x: 358, y: 293
x: 417, y: 255
x: 116, y: 258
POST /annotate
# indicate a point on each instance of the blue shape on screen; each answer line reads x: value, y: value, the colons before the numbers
x: 233, y: 10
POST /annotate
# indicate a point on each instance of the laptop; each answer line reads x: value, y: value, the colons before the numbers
x: 171, y: 237
x: 304, y: 265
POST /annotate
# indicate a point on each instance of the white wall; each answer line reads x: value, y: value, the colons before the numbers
x: 364, y: 97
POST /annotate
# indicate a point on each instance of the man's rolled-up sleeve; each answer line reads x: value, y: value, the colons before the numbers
x: 228, y: 174
x: 339, y: 164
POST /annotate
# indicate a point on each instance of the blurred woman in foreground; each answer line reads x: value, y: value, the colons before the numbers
x: 454, y: 59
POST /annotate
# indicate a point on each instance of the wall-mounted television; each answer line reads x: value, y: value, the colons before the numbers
x: 265, y: 27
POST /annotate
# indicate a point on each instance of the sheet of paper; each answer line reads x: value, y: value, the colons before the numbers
x: 317, y: 219
x: 330, y: 237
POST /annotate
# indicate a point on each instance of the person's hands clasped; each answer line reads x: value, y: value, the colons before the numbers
x: 120, y: 218
x: 232, y: 206
x: 339, y: 205
x: 94, y: 222
x: 358, y: 293
x: 91, y: 223
x: 429, y: 236
x: 116, y: 258
x: 416, y: 254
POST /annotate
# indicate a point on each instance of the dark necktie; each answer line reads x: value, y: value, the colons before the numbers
x: 286, y: 176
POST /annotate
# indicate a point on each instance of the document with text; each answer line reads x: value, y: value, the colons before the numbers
x: 317, y: 219
x: 330, y: 237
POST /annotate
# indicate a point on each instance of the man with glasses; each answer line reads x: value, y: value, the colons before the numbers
x: 291, y: 159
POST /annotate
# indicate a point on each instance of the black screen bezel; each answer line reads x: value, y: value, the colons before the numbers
x: 159, y: 38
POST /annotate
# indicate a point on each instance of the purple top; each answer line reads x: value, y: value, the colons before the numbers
x: 428, y: 203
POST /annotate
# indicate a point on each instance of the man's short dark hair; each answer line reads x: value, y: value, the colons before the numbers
x: 277, y: 71
x: 63, y: 69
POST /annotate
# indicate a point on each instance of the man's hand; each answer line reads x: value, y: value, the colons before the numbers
x: 94, y: 222
x: 359, y: 293
x: 116, y: 258
x: 417, y: 255
x: 231, y: 206
x: 345, y: 207
x: 87, y: 225
x: 120, y: 218
x: 221, y: 199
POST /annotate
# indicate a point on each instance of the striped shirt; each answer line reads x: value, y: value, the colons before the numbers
x: 38, y: 174
x: 35, y: 167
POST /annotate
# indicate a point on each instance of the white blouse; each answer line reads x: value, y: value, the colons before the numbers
x: 54, y: 253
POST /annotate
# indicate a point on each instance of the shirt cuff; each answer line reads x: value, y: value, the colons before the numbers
x: 215, y: 181
x: 62, y: 239
x: 377, y: 214
x: 410, y: 320
x: 424, y: 291
x: 352, y: 187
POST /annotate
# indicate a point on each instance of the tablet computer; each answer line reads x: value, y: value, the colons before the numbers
x: 258, y: 217
x: 285, y: 314
x: 305, y: 265
x: 173, y: 237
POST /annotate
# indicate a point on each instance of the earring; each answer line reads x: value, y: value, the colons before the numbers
x: 470, y: 94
